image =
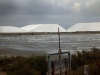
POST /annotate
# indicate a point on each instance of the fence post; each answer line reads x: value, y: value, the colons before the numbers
x: 86, y: 70
x: 69, y: 61
x: 49, y: 66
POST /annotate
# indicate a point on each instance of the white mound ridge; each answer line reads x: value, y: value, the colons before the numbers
x: 43, y: 28
x: 85, y: 27
x: 10, y: 29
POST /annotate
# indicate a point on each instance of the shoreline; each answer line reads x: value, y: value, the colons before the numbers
x: 14, y: 52
x: 49, y: 33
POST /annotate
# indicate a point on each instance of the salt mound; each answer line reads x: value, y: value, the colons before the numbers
x: 85, y: 27
x: 43, y: 28
x: 9, y: 29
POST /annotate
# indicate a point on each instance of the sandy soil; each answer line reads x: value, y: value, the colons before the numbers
x: 13, y: 52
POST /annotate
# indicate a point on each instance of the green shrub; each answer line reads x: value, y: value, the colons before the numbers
x: 86, y: 57
x: 34, y: 65
x: 37, y: 65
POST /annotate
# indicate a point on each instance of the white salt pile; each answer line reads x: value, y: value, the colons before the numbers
x: 85, y: 27
x: 43, y: 28
x: 9, y: 29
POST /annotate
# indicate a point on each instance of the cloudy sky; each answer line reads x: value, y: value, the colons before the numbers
x: 63, y: 12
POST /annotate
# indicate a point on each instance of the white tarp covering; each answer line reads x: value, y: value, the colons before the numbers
x: 85, y: 27
x: 9, y: 29
x: 43, y: 28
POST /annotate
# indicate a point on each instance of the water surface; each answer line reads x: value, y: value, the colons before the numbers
x: 50, y: 43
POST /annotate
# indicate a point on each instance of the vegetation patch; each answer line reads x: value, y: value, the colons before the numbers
x: 86, y: 57
x: 37, y: 65
x: 34, y: 65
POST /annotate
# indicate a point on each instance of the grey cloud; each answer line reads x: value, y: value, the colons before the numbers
x: 93, y: 10
x: 42, y: 8
x: 33, y: 12
x: 7, y: 7
x: 33, y: 7
x: 40, y: 11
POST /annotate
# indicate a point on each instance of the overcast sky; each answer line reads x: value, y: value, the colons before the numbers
x: 63, y: 12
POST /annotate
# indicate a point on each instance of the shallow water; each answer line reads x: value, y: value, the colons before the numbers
x: 50, y: 43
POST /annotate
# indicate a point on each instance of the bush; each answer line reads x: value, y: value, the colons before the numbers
x: 86, y: 57
x: 34, y: 65
x: 37, y: 65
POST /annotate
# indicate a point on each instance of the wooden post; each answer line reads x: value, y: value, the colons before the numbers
x: 53, y: 67
x: 49, y: 66
x: 59, y: 39
x: 69, y: 61
x: 59, y: 51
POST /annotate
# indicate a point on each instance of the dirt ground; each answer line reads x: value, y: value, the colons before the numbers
x: 3, y: 73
